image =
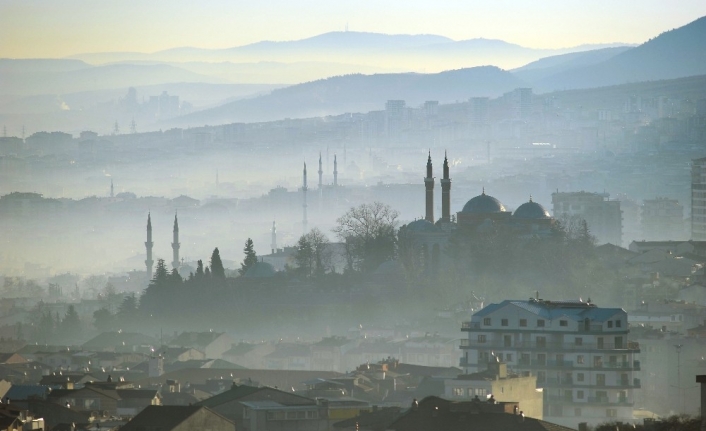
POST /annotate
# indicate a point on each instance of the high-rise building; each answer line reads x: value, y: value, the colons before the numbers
x: 579, y: 352
x: 603, y: 216
x: 698, y: 199
x: 662, y: 219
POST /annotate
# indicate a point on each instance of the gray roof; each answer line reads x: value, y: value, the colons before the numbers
x: 573, y: 309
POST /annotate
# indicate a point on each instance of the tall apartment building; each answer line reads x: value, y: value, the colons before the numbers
x: 698, y: 199
x: 579, y: 352
x: 604, y: 217
x: 662, y: 219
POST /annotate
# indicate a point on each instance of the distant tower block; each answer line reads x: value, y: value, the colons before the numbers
x: 335, y: 171
x: 148, y: 246
x: 304, y: 189
x: 175, y: 244
x: 429, y: 186
x: 446, y: 193
x: 274, y: 238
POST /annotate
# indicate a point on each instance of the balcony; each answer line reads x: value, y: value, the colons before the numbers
x: 630, y: 347
x: 466, y: 326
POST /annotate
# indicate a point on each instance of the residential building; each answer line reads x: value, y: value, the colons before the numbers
x: 578, y: 351
x: 178, y: 418
x: 662, y: 218
x: 603, y: 216
x: 698, y: 199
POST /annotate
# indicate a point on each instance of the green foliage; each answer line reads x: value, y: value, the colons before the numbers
x: 250, y: 257
x: 103, y: 320
x: 313, y: 255
x: 217, y: 269
x: 370, y: 234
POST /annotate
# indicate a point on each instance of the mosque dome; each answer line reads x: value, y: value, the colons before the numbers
x: 422, y: 225
x: 483, y: 204
x: 531, y: 211
x: 260, y: 270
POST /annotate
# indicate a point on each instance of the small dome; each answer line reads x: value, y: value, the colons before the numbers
x: 260, y: 270
x: 422, y: 226
x: 531, y: 211
x: 483, y: 204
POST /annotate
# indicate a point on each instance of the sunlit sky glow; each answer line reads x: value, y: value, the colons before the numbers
x: 51, y: 28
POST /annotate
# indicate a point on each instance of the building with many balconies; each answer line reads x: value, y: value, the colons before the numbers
x: 579, y: 352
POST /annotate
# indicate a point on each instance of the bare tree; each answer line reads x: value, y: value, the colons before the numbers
x: 313, y: 254
x: 369, y: 231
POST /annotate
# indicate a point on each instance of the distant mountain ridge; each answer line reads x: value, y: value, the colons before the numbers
x: 673, y: 54
x: 426, y: 52
x: 359, y: 93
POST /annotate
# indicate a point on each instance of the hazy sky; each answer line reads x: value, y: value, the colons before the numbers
x: 50, y: 28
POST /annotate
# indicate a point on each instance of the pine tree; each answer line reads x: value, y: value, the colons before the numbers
x: 199, y: 269
x: 71, y: 325
x: 217, y: 269
x: 250, y: 257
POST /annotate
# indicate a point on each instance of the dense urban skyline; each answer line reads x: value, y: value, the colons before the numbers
x: 47, y: 29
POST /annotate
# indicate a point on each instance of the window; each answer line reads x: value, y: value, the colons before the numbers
x: 503, y: 322
x: 563, y: 323
x: 481, y: 392
x: 541, y: 359
x: 618, y: 323
x: 481, y: 338
x: 523, y: 323
x: 579, y: 395
x: 540, y: 323
x: 579, y: 377
x: 291, y: 415
x: 486, y: 321
x: 470, y: 392
x: 458, y: 392
x: 312, y: 414
x: 541, y: 341
x: 598, y: 361
x: 508, y: 357
x: 610, y: 323
x: 578, y: 341
x: 600, y: 379
x: 579, y: 359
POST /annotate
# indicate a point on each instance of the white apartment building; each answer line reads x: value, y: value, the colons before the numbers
x: 579, y: 352
x: 698, y: 199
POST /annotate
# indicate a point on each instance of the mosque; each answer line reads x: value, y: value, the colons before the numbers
x: 530, y: 220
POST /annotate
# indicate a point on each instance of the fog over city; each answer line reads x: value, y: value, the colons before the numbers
x: 205, y: 205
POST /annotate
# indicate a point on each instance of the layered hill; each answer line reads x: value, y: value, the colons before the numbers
x: 674, y: 54
x: 359, y: 93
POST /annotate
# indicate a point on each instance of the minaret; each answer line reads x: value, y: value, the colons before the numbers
x: 274, y: 238
x: 335, y: 171
x: 175, y: 244
x: 112, y: 195
x: 446, y: 193
x: 148, y: 246
x: 304, y: 189
x: 321, y: 172
x: 429, y: 186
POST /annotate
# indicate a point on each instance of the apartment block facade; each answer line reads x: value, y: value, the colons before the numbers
x: 579, y: 353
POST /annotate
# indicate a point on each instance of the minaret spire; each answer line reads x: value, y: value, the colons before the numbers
x: 446, y: 193
x: 111, y: 189
x: 321, y: 172
x: 175, y: 244
x: 335, y: 171
x: 148, y: 247
x: 429, y: 186
x: 304, y: 189
x: 274, y: 238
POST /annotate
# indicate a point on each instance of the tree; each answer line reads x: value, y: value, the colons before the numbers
x: 103, y: 319
x: 369, y: 231
x: 71, y: 325
x: 199, y: 269
x: 313, y: 255
x: 250, y: 257
x: 217, y: 270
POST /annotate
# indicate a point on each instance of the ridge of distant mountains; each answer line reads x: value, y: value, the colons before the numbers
x: 359, y: 93
x: 673, y: 54
x: 430, y: 53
